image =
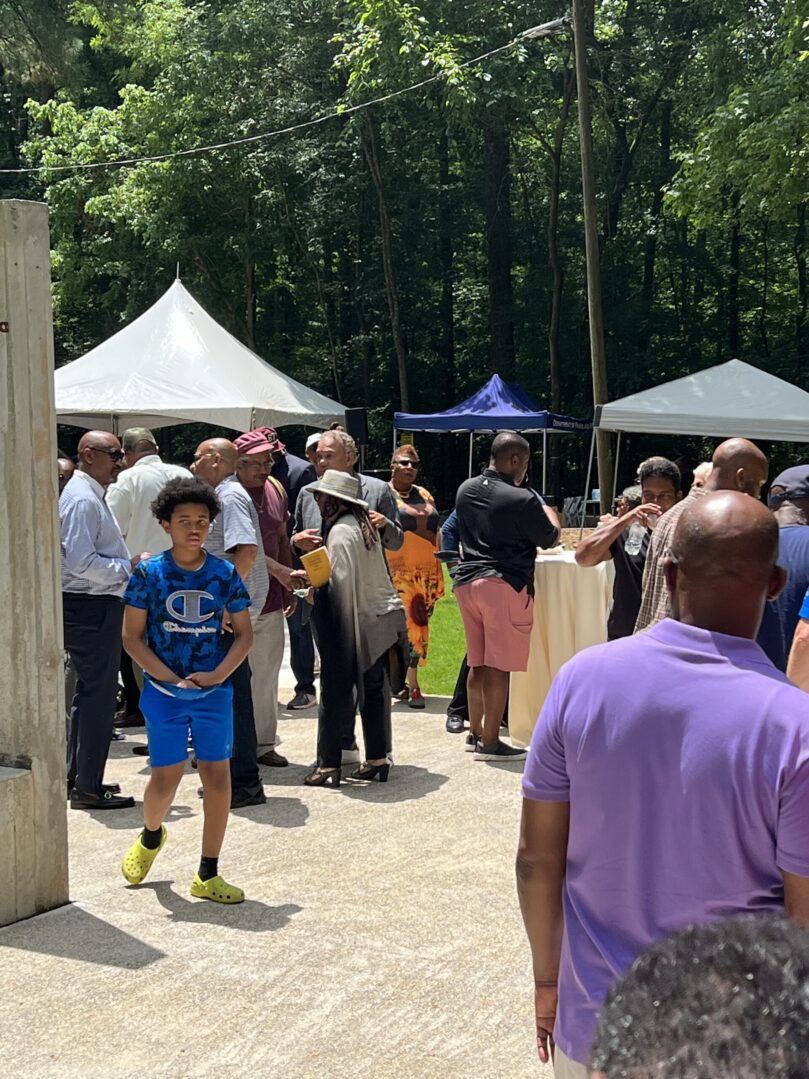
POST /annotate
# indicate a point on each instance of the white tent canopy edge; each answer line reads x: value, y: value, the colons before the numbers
x: 732, y: 399
x: 175, y: 364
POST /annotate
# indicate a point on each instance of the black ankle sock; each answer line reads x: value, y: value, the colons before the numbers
x: 208, y: 868
x: 151, y: 839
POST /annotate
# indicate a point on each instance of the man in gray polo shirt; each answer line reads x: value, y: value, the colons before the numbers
x: 236, y: 536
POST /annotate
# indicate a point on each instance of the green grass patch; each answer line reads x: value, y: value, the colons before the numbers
x: 447, y: 646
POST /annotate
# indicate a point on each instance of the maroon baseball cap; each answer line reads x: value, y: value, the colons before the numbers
x: 259, y: 441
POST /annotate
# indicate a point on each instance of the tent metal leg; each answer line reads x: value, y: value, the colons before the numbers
x: 615, y: 467
x: 587, y: 482
x: 471, y: 450
x: 544, y: 461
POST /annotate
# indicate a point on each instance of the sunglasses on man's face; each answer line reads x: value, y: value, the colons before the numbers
x: 115, y: 455
x: 406, y: 464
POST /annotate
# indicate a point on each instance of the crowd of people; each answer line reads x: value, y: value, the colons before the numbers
x: 667, y: 781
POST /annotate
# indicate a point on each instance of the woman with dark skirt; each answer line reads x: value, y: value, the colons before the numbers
x: 358, y: 618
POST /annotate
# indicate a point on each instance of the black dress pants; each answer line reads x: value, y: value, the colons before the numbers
x: 336, y: 710
x: 244, y: 762
x: 338, y: 692
x: 92, y: 627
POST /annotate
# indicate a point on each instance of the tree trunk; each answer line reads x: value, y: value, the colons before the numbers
x: 358, y: 289
x: 557, y: 274
x: 249, y: 279
x: 446, y: 262
x: 371, y: 150
x: 250, y: 304
x: 598, y: 355
x: 765, y: 284
x: 499, y: 242
x: 801, y: 327
x: 650, y: 248
x: 734, y: 323
x: 554, y: 259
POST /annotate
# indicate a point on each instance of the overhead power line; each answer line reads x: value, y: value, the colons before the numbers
x: 545, y: 30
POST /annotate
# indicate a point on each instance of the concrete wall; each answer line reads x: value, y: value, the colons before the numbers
x: 33, y: 821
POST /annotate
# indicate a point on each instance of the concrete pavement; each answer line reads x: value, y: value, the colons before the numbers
x: 380, y: 937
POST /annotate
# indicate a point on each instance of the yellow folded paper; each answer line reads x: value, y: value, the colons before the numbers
x: 317, y: 566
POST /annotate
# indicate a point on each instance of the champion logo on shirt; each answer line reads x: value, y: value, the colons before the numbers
x: 185, y: 606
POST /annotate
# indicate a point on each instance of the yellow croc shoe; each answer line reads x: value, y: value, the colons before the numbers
x: 138, y: 859
x: 216, y: 889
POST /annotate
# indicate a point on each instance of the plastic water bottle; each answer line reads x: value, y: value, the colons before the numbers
x: 634, y: 540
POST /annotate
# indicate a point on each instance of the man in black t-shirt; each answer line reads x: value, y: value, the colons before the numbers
x: 500, y: 526
x: 621, y: 539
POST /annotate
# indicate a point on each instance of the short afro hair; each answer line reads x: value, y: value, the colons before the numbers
x: 728, y: 1000
x: 185, y: 490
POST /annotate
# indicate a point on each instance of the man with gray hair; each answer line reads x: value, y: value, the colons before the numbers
x: 142, y: 479
x: 130, y: 498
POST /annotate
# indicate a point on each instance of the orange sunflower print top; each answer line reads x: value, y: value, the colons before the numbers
x: 417, y: 575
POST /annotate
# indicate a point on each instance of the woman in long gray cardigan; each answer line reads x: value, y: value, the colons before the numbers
x: 358, y: 618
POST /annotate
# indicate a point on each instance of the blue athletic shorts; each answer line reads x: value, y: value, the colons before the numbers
x: 171, y: 713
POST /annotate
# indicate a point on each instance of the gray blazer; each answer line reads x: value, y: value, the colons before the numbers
x: 375, y: 492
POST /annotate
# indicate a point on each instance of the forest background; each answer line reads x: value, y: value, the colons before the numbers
x: 397, y: 256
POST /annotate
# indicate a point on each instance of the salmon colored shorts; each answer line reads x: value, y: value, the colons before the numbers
x: 497, y: 622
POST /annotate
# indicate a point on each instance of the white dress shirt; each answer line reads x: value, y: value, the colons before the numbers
x: 95, y: 561
x: 131, y: 496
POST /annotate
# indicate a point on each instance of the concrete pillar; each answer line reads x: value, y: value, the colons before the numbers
x: 33, y: 818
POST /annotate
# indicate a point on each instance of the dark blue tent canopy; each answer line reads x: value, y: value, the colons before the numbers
x: 497, y: 406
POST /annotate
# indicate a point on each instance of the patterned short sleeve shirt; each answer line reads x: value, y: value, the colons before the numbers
x: 185, y: 609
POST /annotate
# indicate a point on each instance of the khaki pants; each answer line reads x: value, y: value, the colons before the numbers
x: 565, y: 1068
x: 266, y: 658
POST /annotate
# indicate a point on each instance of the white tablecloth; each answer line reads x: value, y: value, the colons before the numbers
x: 571, y: 606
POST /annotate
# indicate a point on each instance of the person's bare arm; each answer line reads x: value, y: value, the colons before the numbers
x: 135, y: 644
x: 796, y: 898
x: 798, y: 663
x: 242, y: 630
x: 541, y: 860
x: 552, y: 516
x: 243, y: 556
x: 595, y: 548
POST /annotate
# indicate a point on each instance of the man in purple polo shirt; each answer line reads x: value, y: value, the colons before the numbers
x: 668, y: 779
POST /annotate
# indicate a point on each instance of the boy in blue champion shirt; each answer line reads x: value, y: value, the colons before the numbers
x: 175, y: 607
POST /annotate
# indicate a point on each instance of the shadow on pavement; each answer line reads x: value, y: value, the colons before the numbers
x: 405, y: 783
x: 123, y: 820
x: 251, y: 916
x: 74, y: 933
x: 277, y: 812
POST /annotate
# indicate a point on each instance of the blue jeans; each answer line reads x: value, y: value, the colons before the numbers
x: 302, y: 650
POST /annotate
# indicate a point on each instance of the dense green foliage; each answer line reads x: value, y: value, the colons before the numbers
x: 401, y: 254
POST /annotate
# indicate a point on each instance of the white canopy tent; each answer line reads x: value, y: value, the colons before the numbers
x: 175, y: 364
x: 731, y: 399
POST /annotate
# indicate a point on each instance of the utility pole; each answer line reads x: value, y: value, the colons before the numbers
x: 598, y: 354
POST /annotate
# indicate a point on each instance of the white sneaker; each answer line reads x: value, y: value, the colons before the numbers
x: 351, y: 756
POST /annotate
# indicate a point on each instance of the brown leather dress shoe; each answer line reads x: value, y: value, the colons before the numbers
x: 273, y: 759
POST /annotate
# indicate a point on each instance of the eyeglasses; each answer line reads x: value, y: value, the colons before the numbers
x: 115, y: 455
x: 406, y: 464
x: 199, y: 456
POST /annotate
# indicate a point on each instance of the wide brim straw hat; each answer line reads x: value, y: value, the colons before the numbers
x: 340, y: 485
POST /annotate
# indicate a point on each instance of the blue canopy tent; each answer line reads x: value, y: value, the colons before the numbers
x: 497, y: 406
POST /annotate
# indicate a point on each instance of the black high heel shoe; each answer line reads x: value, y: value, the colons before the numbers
x: 324, y: 779
x: 372, y: 771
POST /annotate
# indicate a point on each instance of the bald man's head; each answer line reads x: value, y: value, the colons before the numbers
x: 738, y: 465
x: 721, y: 567
x: 215, y: 460
x: 100, y: 456
x: 510, y: 455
